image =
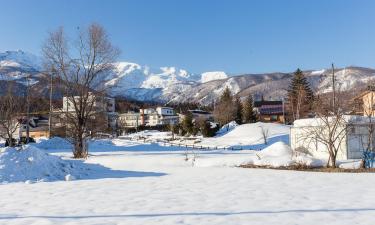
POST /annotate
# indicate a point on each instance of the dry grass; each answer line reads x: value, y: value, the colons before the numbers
x: 302, y: 167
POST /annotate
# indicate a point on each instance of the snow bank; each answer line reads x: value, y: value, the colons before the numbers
x: 249, y: 136
x: 226, y: 128
x: 31, y: 164
x: 53, y: 143
x: 280, y: 154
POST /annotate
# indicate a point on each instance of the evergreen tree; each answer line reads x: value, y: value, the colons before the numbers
x: 300, y: 96
x: 225, y: 110
x: 249, y: 116
x: 187, y: 124
x: 226, y: 96
x: 239, y: 109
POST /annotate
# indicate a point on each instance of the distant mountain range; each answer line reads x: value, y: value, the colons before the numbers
x: 170, y: 84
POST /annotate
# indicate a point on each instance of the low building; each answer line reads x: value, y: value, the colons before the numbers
x: 364, y: 103
x: 149, y: 117
x: 38, y: 127
x: 270, y: 111
x: 352, y: 138
x: 201, y: 114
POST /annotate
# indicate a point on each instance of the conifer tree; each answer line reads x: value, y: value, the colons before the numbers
x: 225, y: 110
x: 249, y: 116
x: 300, y: 96
x: 239, y: 109
x: 187, y: 124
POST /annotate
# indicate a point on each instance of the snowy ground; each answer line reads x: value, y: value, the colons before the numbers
x: 143, y: 183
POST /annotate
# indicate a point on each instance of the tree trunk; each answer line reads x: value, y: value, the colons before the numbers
x: 80, y: 147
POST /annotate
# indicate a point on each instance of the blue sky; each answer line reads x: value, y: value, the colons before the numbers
x: 206, y: 35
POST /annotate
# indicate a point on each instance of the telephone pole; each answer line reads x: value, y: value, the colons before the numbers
x: 27, y: 110
x: 50, y: 105
x: 333, y: 89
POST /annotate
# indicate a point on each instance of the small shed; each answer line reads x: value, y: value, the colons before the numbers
x: 352, y: 142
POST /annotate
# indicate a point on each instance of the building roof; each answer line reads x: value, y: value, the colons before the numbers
x: 198, y: 111
x: 269, y: 107
x: 263, y: 102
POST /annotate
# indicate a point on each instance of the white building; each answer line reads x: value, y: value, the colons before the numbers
x: 149, y: 117
x: 101, y: 104
x: 353, y: 135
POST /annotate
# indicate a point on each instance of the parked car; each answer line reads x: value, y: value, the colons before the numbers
x: 22, y: 140
x: 14, y: 142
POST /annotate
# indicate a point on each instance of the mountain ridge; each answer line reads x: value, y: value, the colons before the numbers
x: 172, y: 84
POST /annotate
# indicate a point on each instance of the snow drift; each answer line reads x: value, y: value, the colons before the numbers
x: 30, y: 164
x: 280, y: 154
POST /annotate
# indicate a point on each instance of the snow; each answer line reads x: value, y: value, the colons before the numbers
x: 280, y: 154
x: 53, y: 143
x: 249, y: 136
x: 317, y: 72
x: 209, y: 76
x: 226, y: 128
x: 31, y: 164
x: 128, y: 77
x: 20, y: 58
x: 317, y: 121
x: 151, y: 186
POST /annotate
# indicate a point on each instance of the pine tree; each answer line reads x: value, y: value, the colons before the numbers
x: 226, y: 96
x: 239, y: 109
x: 300, y: 96
x: 187, y: 124
x: 225, y: 110
x: 249, y: 116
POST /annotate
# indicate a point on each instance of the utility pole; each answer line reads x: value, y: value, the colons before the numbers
x: 50, y: 105
x: 27, y: 110
x: 333, y: 89
x: 282, y: 100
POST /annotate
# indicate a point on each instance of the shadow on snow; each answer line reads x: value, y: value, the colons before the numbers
x: 154, y: 215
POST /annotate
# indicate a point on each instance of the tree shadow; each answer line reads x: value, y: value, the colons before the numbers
x: 90, y: 171
x: 155, y: 215
x: 270, y: 141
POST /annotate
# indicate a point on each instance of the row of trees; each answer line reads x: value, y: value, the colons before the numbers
x: 190, y: 126
x: 230, y: 108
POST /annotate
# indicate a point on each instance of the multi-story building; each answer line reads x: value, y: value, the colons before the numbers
x: 149, y: 117
x: 102, y: 105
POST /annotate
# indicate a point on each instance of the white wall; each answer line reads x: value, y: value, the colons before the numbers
x: 299, y: 139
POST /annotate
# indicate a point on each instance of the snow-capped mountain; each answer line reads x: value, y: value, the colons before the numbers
x: 217, y: 75
x: 128, y: 76
x: 19, y: 59
x: 171, y: 84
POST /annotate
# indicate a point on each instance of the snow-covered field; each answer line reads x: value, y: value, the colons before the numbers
x: 131, y: 182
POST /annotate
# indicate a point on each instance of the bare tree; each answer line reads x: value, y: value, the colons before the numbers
x: 331, y: 127
x: 80, y: 65
x: 10, y: 108
x: 367, y: 140
x: 265, y: 134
